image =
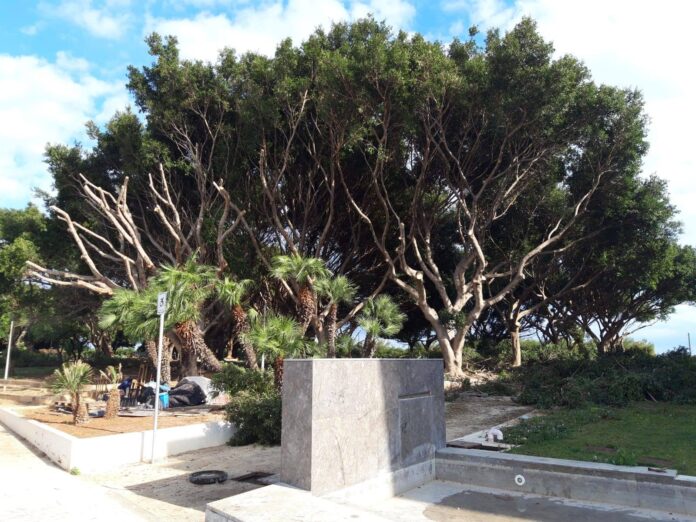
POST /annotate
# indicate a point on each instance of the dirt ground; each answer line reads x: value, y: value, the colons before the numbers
x: 97, y: 427
x: 164, y: 490
x: 473, y: 412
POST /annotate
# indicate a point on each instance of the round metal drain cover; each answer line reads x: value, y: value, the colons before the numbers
x: 208, y: 477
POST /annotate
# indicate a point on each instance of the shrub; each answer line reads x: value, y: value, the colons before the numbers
x: 29, y: 358
x: 257, y: 417
x: 234, y: 379
x: 613, y: 380
x: 255, y: 405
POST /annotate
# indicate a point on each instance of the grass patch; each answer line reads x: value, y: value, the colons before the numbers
x: 646, y: 434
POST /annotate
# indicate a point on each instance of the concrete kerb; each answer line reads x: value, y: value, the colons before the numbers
x: 631, y: 486
x: 95, y: 454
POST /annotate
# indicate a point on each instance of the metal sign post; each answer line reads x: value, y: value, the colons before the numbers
x: 9, y: 349
x: 161, y: 309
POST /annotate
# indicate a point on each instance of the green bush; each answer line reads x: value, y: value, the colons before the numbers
x: 234, y: 379
x: 612, y: 380
x: 22, y: 358
x: 255, y: 405
x: 256, y: 416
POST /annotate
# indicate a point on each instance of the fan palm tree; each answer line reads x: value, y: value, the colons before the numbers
x: 380, y: 317
x: 337, y: 290
x: 135, y: 314
x: 71, y: 378
x: 276, y: 336
x: 113, y: 404
x: 189, y: 285
x: 303, y: 272
x: 232, y: 294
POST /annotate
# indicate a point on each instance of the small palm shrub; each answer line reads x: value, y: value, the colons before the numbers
x: 113, y: 403
x: 71, y: 378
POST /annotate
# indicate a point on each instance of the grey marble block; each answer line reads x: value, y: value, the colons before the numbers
x: 349, y: 420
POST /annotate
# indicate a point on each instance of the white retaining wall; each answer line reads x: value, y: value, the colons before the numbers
x: 96, y: 454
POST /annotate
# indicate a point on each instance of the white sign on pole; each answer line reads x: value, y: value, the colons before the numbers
x: 161, y: 309
x: 161, y: 303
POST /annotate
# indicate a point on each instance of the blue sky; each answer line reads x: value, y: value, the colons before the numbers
x: 63, y: 62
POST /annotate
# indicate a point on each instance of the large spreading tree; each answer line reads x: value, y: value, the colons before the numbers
x: 458, y: 178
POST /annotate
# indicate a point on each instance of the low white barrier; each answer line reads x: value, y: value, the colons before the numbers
x: 96, y: 454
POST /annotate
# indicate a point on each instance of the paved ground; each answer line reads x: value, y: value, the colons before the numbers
x: 441, y: 501
x: 33, y: 489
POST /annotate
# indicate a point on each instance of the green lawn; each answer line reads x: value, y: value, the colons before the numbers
x: 647, y: 434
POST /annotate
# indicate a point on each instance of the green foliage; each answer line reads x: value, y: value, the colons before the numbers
x: 299, y: 269
x: 255, y: 404
x: 256, y: 416
x: 337, y: 289
x: 71, y: 378
x: 234, y: 379
x: 381, y: 316
x: 615, y: 380
x: 29, y: 358
x: 275, y: 335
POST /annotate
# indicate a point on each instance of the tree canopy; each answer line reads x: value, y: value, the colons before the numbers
x: 487, y: 183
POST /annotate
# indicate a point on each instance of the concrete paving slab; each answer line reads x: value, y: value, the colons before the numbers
x: 441, y: 501
x: 33, y: 489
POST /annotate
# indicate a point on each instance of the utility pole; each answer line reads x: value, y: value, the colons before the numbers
x: 9, y: 349
x: 161, y: 309
x: 688, y: 336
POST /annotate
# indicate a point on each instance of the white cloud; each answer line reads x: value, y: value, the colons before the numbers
x: 108, y: 20
x: 261, y: 28
x: 44, y: 102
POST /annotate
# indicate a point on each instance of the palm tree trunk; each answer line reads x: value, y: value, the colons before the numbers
x: 194, y: 341
x: 240, y: 326
x: 331, y: 330
x: 305, y: 307
x: 113, y: 404
x: 278, y: 371
x: 368, y: 347
x: 80, y: 413
x: 151, y: 349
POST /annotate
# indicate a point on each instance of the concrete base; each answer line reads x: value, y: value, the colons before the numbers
x: 346, y: 421
x: 438, y: 501
x: 632, y: 486
x: 97, y: 454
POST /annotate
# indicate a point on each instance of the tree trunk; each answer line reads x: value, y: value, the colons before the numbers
x: 451, y: 348
x: 331, y: 330
x: 516, y: 345
x: 240, y: 326
x: 151, y: 349
x: 194, y: 341
x: 306, y: 306
x: 368, y: 346
x: 113, y: 404
x: 278, y: 371
x: 80, y: 413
